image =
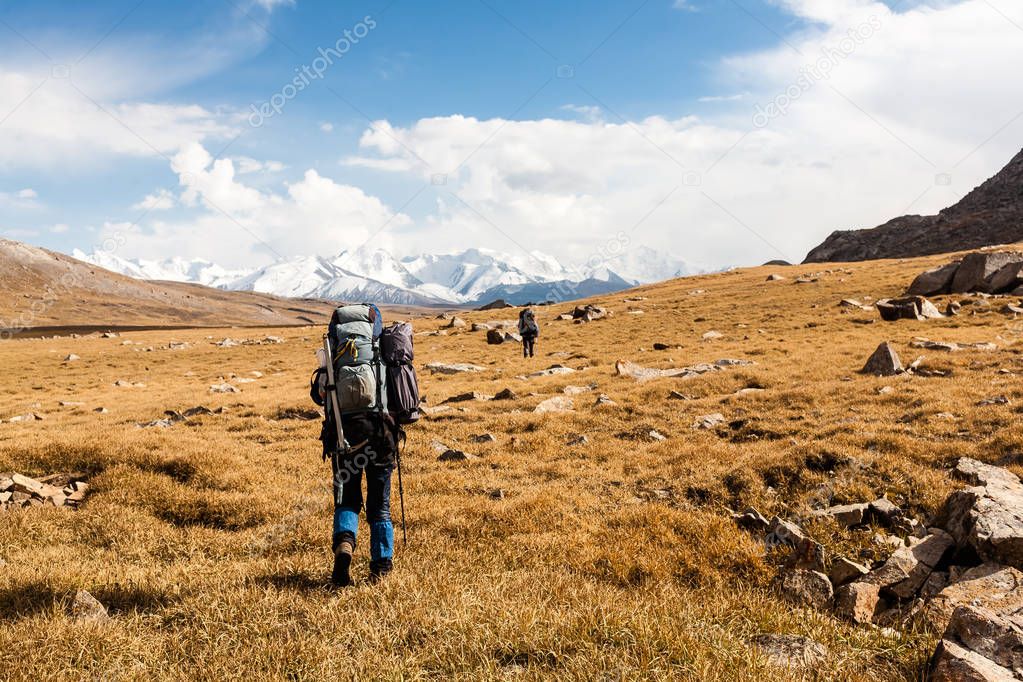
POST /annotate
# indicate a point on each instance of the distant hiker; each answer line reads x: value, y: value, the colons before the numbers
x: 528, y: 330
x: 366, y: 383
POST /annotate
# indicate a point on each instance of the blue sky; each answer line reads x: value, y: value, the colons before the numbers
x: 526, y: 125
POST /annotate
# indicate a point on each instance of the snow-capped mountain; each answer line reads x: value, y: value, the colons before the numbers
x: 472, y: 276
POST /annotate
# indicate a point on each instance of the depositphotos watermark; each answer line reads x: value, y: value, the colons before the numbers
x: 311, y: 72
x: 820, y: 70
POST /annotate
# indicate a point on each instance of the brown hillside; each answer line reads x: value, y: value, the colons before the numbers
x: 991, y: 214
x: 47, y: 289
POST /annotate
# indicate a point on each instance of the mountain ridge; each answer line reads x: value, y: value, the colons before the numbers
x: 989, y: 215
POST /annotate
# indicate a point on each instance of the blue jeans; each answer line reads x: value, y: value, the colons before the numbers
x: 348, y: 502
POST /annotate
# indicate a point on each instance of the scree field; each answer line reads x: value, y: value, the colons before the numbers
x: 617, y: 559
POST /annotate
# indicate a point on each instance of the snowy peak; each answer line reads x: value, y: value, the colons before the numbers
x: 372, y: 274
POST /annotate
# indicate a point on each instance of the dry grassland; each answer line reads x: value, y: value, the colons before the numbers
x: 209, y: 540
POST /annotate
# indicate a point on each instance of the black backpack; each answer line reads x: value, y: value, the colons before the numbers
x: 402, y: 383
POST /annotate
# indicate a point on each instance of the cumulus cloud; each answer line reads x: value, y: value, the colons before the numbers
x: 239, y: 225
x: 161, y: 200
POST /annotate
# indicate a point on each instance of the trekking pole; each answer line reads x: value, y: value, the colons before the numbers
x: 401, y: 498
x: 332, y: 394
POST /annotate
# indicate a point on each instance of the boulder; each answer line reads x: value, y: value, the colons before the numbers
x: 987, y: 517
x: 910, y: 308
x: 86, y: 608
x: 588, y: 313
x: 495, y: 337
x: 752, y: 520
x: 991, y: 586
x: 709, y: 421
x: 456, y: 322
x: 845, y: 514
x: 1006, y: 279
x: 496, y: 305
x: 506, y: 394
x: 481, y: 327
x: 468, y: 397
x: 859, y: 602
x: 604, y: 400
x: 908, y: 567
x: 552, y: 371
x: 953, y: 663
x: 452, y: 455
x: 884, y: 362
x: 933, y: 282
x: 774, y: 277
x: 809, y: 588
x: 976, y: 269
x: 998, y: 639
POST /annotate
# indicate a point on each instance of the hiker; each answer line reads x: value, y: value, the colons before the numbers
x: 374, y: 393
x: 528, y: 330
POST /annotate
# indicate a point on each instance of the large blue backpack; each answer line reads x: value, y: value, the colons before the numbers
x: 359, y: 372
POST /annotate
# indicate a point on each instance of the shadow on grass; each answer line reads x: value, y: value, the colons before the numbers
x: 24, y: 600
x: 297, y: 581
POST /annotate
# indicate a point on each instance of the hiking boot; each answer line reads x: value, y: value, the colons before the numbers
x: 342, y: 576
x: 378, y: 570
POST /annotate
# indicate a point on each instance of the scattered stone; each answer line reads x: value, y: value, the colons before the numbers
x: 885, y: 510
x: 884, y: 362
x: 995, y: 400
x: 709, y: 421
x: 631, y: 369
x: 455, y: 368
x: 934, y: 282
x: 711, y: 335
x: 579, y: 440
x: 910, y: 308
x: 71, y: 358
x: 496, y: 494
x: 506, y: 394
x: 845, y: 571
x: 496, y: 305
x: 977, y: 269
x: 793, y: 652
x: 809, y: 588
x: 859, y: 602
x: 451, y: 455
x: 86, y: 608
x: 604, y: 400
x: 775, y: 278
x: 456, y: 322
x: 846, y: 514
x: 495, y: 337
x: 920, y: 342
x: 953, y: 308
x: 676, y: 395
x: 552, y: 371
x: 432, y: 412
x: 953, y: 663
x: 484, y: 438
x: 224, y: 388
x: 468, y: 397
x: 577, y: 390
x: 555, y: 404
x: 655, y: 435
x: 589, y: 313
x: 752, y: 520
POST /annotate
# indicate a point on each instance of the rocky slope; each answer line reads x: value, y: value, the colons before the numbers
x: 990, y: 214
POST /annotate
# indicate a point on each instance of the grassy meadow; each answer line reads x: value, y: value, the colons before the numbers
x: 617, y: 559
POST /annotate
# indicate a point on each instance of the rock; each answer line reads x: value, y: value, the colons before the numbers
x: 552, y: 371
x: 986, y: 517
x: 101, y: 410
x: 631, y: 369
x: 496, y: 494
x: 578, y: 440
x: 711, y: 335
x: 555, y: 404
x: 1010, y: 309
x: 512, y: 336
x: 775, y: 277
x: 953, y: 308
x: 71, y: 358
x: 996, y: 638
x: 588, y: 313
x: 506, y: 394
x: 990, y: 586
x: 978, y: 473
x: 809, y: 588
x: 563, y: 317
x: 845, y: 571
x: 577, y: 390
x: 456, y: 322
x: 432, y: 412
x: 604, y: 400
x: 484, y: 438
x: 846, y: 514
x: 790, y: 651
x: 451, y: 455
x: 1006, y: 278
x: 496, y: 305
x: 481, y: 327
x: 782, y: 532
x: 933, y: 282
x: 676, y: 395
x: 908, y: 567
x: 884, y: 362
x: 665, y: 346
x: 886, y: 511
x: 454, y: 368
x: 468, y: 397
x: 709, y: 421
x: 752, y: 520
x: 910, y: 308
x: 953, y: 663
x: 86, y: 608
x: 976, y: 268
x: 495, y: 337
x: 859, y: 602
x: 224, y: 388
x: 655, y: 435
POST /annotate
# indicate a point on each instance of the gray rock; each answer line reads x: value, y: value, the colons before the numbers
x: 86, y: 608
x: 468, y: 397
x: 908, y: 567
x: 845, y: 571
x: 845, y: 514
x: 454, y: 368
x: 579, y: 440
x: 484, y: 438
x: 990, y: 586
x: 910, y: 308
x: 793, y: 652
x: 884, y: 362
x: 456, y: 456
x: 932, y: 282
x: 977, y: 473
x: 752, y: 520
x: 976, y: 268
x: 556, y: 404
x: 996, y: 638
x: 809, y: 588
x: 495, y: 337
x: 885, y: 511
x: 1006, y: 279
x: 506, y: 394
x: 709, y: 421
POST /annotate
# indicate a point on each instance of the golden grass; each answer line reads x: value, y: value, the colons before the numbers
x: 209, y: 541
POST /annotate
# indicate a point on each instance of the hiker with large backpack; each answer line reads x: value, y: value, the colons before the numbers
x: 368, y: 388
x: 528, y: 330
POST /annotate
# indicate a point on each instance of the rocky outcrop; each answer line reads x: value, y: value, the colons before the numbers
x: 991, y: 214
x: 59, y: 490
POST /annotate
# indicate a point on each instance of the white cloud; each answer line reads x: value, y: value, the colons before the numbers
x: 853, y: 150
x: 585, y: 112
x: 161, y: 200
x: 60, y: 228
x: 248, y: 166
x: 327, y: 127
x: 23, y: 199
x: 238, y: 225
x: 686, y: 5
x: 724, y: 98
x: 27, y: 194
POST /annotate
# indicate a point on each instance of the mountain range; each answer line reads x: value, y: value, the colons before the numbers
x: 991, y: 214
x: 470, y: 277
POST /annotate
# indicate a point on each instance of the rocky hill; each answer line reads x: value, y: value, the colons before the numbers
x: 990, y: 214
x: 44, y: 289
